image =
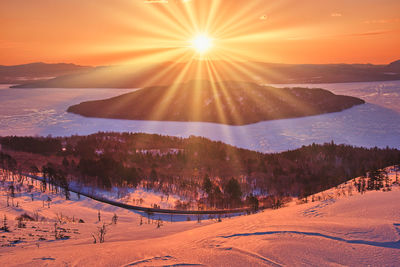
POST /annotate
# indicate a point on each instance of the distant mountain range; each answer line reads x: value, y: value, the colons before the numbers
x: 234, y: 103
x: 134, y: 76
x: 34, y: 72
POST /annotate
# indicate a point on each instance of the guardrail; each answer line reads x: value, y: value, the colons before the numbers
x: 148, y: 210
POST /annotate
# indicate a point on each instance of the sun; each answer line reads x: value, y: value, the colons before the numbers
x: 202, y: 43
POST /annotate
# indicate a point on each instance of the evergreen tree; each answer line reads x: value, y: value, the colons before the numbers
x: 65, y: 163
x: 233, y: 192
x: 5, y: 227
x: 207, y: 185
x: 252, y: 201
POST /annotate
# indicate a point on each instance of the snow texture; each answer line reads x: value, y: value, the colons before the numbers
x: 343, y: 228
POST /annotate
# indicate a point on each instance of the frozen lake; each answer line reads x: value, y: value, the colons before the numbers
x: 377, y: 123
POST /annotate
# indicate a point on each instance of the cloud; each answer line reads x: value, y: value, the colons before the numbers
x: 382, y: 21
x: 10, y: 44
x: 336, y: 14
x: 379, y: 32
x: 357, y: 34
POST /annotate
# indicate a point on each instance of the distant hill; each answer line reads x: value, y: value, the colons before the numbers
x: 135, y: 76
x: 394, y: 66
x: 234, y: 103
x: 36, y: 71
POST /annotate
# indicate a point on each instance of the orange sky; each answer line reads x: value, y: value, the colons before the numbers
x: 100, y: 32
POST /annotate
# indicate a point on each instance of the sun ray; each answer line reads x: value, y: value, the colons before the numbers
x: 218, y: 103
x: 202, y: 40
x: 227, y: 133
x: 235, y: 20
x: 165, y: 99
x: 214, y: 9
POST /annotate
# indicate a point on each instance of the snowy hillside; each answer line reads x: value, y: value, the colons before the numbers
x: 343, y: 228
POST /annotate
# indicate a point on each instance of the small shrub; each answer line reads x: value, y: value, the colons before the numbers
x: 25, y: 217
x: 20, y: 223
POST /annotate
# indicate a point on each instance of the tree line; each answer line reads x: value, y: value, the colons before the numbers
x: 210, y: 173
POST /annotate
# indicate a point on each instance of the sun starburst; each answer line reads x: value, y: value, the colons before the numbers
x: 202, y: 43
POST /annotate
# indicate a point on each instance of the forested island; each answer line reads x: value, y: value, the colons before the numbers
x: 234, y: 103
x: 206, y: 173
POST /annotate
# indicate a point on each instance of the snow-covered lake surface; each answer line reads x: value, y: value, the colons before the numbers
x: 377, y: 123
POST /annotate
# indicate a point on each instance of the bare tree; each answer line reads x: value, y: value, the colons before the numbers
x: 114, y: 219
x: 159, y: 223
x: 100, y: 235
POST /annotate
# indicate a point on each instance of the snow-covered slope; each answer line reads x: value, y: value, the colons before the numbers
x: 351, y: 229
